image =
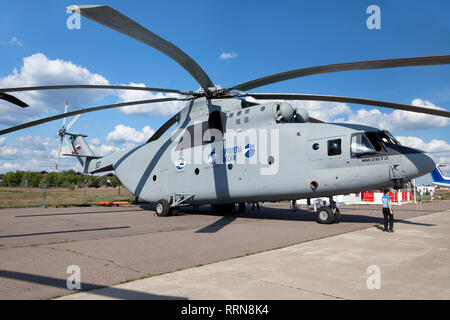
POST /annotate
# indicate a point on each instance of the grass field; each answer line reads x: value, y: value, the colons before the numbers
x: 17, y: 197
x: 11, y: 197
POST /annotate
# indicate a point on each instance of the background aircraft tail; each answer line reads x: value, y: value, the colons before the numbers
x: 438, y: 177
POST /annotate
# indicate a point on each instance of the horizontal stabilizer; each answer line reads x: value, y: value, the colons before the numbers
x: 82, y: 156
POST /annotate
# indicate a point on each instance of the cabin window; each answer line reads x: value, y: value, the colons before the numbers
x: 334, y: 147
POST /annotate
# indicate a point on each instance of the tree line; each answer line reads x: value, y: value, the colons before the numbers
x: 64, y: 179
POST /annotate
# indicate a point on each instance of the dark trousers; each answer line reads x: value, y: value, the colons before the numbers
x: 388, y: 219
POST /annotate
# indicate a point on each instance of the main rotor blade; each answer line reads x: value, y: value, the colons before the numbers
x: 375, y: 103
x: 10, y: 98
x: 117, y: 21
x: 84, y: 86
x: 74, y: 113
x: 362, y: 65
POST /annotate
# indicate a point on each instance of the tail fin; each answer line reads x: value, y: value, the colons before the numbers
x: 81, y: 150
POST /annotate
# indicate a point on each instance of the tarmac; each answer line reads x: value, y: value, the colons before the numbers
x: 208, y: 256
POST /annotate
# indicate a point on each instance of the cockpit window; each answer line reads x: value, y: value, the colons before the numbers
x: 361, y: 145
x: 375, y: 141
x: 387, y: 137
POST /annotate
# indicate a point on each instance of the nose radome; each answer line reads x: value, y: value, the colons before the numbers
x: 418, y: 164
x: 428, y: 163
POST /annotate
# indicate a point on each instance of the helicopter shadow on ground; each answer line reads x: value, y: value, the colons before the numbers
x: 110, y: 292
x: 282, y: 214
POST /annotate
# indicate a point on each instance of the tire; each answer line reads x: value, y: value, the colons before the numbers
x: 162, y: 208
x: 173, y: 211
x: 223, y: 208
x: 242, y: 207
x: 325, y: 215
x: 337, y: 216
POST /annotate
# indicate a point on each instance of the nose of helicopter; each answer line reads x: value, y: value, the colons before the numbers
x: 418, y: 164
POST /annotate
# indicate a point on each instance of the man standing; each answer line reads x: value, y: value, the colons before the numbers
x: 387, y: 213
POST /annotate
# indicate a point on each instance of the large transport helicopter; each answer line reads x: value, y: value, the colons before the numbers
x: 225, y: 148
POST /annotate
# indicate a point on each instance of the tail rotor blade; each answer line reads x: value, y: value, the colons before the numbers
x: 70, y: 145
x: 59, y: 153
x: 65, y: 111
x: 72, y: 121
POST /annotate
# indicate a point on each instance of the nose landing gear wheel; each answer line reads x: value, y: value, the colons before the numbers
x: 325, y: 215
x: 162, y: 208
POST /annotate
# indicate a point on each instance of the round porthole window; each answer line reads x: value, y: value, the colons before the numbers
x: 230, y: 166
x: 196, y: 171
x: 154, y: 178
x: 315, y: 146
x: 270, y: 160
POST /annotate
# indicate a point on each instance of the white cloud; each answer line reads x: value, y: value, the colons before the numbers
x: 400, y: 120
x: 12, y: 42
x: 325, y: 111
x: 2, y: 140
x: 123, y: 134
x: 34, y: 153
x: 38, y: 70
x: 160, y: 109
x: 6, y: 166
x: 392, y: 121
x: 104, y: 149
x: 228, y: 55
x: 37, y: 153
x: 439, y: 149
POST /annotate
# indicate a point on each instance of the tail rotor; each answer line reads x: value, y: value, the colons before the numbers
x: 62, y: 133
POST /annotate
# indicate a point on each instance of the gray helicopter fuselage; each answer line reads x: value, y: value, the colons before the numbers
x: 227, y: 151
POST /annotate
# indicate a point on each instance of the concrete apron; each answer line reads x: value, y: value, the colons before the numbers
x: 411, y: 263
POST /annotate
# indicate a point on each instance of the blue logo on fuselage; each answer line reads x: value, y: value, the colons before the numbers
x: 250, y: 150
x: 180, y: 163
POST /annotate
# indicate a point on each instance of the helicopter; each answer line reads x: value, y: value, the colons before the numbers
x: 225, y: 147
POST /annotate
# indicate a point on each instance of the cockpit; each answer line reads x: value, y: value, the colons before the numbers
x: 373, y: 142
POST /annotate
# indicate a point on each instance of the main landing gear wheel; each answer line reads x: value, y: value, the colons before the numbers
x: 325, y: 215
x: 162, y: 208
x: 174, y: 211
x: 242, y: 207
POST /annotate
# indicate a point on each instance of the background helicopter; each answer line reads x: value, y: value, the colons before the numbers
x: 310, y: 158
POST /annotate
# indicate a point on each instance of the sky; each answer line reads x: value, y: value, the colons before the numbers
x: 233, y: 41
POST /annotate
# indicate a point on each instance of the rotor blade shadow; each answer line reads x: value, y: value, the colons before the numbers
x: 155, y: 159
x: 217, y: 225
x: 220, y: 170
x: 111, y: 292
x: 59, y: 232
